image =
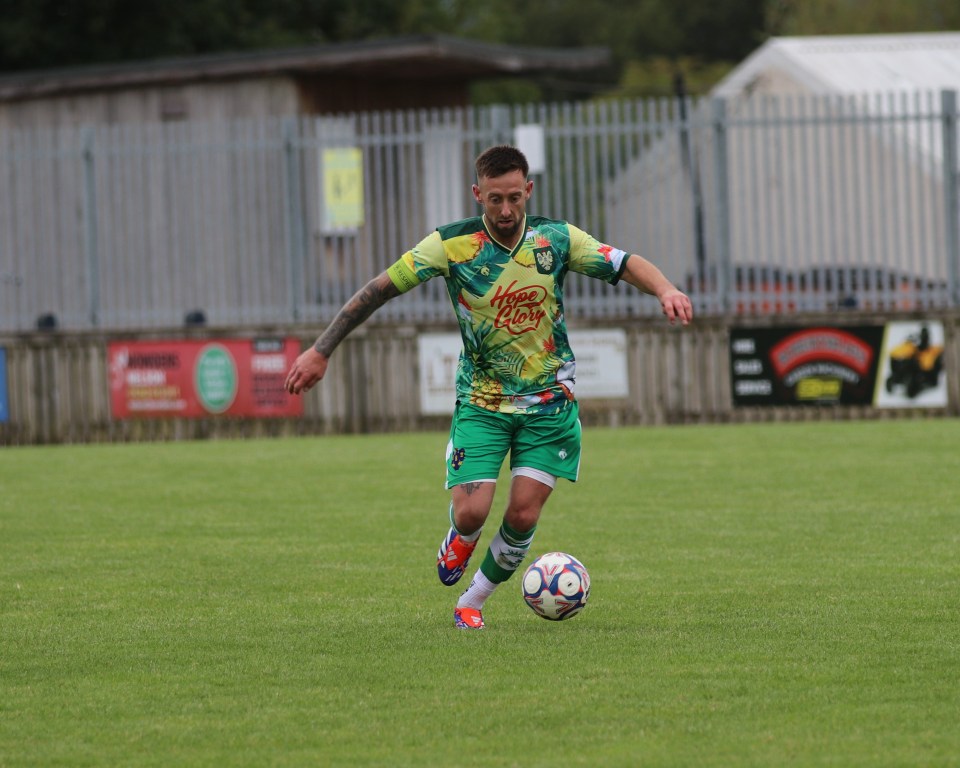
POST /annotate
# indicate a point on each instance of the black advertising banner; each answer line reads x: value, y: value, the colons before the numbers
x: 798, y: 366
x: 894, y: 365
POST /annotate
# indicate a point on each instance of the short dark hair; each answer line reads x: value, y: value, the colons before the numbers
x: 501, y: 159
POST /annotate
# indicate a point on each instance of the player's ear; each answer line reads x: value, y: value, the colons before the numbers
x: 529, y: 188
x: 476, y: 194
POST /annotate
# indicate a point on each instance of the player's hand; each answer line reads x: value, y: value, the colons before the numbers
x: 676, y: 306
x: 306, y: 371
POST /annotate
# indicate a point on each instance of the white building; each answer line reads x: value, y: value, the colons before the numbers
x: 816, y: 167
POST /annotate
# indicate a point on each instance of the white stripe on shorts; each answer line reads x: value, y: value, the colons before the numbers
x: 536, y: 474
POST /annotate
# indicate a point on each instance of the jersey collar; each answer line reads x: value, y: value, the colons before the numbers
x: 520, y: 241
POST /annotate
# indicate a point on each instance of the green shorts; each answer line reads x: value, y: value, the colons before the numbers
x: 480, y: 440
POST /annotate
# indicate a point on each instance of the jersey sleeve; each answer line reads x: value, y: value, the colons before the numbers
x: 595, y: 259
x: 425, y: 260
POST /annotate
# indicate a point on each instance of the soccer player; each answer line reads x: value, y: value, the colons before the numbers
x: 505, y: 273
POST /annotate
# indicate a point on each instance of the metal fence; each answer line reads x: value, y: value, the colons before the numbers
x: 768, y: 205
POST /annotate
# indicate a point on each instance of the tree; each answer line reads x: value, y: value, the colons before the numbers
x: 36, y: 34
x: 652, y: 40
x: 857, y: 17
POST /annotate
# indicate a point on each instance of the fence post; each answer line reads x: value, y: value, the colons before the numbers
x: 501, y: 124
x: 951, y: 197
x: 294, y: 211
x: 90, y: 244
x: 721, y: 162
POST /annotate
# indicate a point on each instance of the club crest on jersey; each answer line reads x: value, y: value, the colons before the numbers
x: 544, y: 259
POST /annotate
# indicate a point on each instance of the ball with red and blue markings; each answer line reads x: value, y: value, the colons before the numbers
x: 556, y: 586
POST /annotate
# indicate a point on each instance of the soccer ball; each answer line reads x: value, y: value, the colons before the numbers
x: 556, y: 586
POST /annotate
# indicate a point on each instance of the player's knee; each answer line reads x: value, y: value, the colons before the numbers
x: 523, y: 517
x: 471, y: 505
x: 470, y: 520
x: 470, y: 515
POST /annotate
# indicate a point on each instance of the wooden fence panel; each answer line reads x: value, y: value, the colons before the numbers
x: 59, y: 387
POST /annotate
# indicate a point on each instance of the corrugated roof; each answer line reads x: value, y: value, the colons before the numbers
x: 427, y: 57
x: 848, y: 64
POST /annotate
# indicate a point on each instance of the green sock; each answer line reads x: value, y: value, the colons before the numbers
x: 505, y: 553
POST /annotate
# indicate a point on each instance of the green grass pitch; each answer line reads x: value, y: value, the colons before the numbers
x: 766, y: 595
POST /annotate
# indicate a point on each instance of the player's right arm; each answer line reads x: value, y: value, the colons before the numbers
x: 420, y: 263
x: 311, y: 366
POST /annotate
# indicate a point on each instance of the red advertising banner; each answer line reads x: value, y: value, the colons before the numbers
x: 194, y: 379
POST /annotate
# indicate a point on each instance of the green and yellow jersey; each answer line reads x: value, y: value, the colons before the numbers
x: 509, y: 304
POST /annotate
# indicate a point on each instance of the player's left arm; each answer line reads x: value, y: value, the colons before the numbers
x: 646, y: 276
x: 589, y: 256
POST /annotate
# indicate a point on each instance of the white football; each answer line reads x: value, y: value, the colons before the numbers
x: 556, y: 586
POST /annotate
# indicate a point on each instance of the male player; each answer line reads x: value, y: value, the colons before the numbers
x: 505, y: 273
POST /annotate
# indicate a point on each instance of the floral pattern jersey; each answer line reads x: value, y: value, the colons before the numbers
x: 509, y: 304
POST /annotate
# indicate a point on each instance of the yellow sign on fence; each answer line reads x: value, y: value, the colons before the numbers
x: 342, y: 189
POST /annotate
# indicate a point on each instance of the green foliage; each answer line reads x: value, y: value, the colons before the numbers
x: 707, y: 28
x: 855, y: 17
x: 506, y: 91
x: 651, y: 40
x: 43, y: 33
x: 762, y: 595
x: 657, y: 77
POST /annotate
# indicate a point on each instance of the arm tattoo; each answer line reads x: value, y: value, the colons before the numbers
x: 364, y: 302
